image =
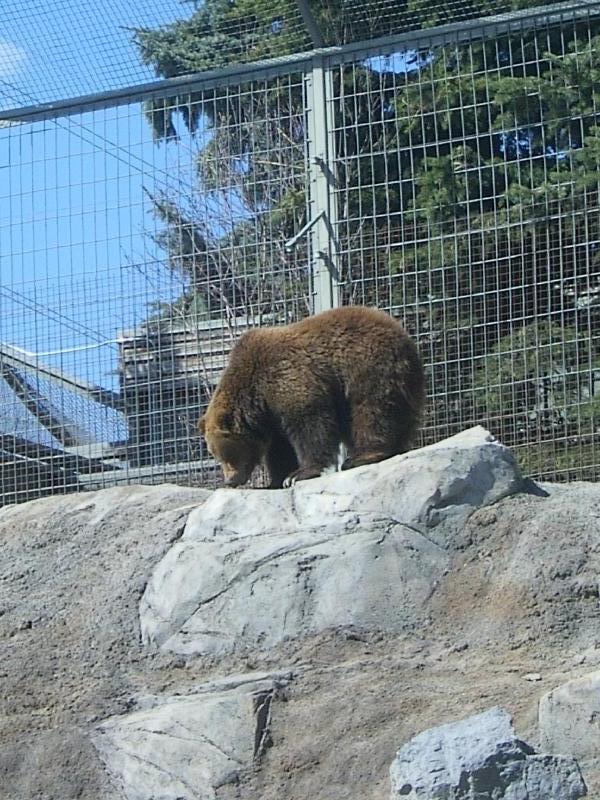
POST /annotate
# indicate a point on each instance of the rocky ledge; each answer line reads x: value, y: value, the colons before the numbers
x: 421, y: 628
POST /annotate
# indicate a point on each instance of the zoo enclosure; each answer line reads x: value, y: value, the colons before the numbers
x: 448, y: 176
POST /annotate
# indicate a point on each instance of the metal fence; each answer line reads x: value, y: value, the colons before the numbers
x: 449, y: 176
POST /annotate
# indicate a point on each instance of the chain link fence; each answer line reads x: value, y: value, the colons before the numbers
x: 447, y: 175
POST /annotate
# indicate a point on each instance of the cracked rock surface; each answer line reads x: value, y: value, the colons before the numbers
x: 365, y: 548
x: 480, y: 757
x: 185, y: 748
x: 300, y: 637
x: 569, y: 721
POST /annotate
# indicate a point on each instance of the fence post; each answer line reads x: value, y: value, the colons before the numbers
x: 324, y: 255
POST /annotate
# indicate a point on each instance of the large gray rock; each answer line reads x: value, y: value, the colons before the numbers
x: 480, y: 758
x: 363, y: 548
x: 72, y: 570
x: 184, y: 748
x: 569, y: 717
x: 520, y: 596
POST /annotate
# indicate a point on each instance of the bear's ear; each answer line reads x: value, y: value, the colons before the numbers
x: 202, y: 424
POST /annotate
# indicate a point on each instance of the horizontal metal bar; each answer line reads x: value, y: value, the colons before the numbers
x: 156, y: 90
x: 272, y: 68
x: 466, y: 30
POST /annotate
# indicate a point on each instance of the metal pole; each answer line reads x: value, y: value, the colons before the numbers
x: 322, y: 202
x: 311, y: 25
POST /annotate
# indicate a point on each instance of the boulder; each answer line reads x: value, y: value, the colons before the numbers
x: 511, y: 592
x: 364, y: 548
x: 480, y: 757
x: 569, y: 718
x: 184, y: 748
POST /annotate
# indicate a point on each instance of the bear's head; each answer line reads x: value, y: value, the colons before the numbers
x: 238, y: 452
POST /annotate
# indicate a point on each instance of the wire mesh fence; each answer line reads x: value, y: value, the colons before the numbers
x: 55, y: 49
x: 468, y: 194
x: 52, y: 49
x: 128, y: 268
x: 449, y: 176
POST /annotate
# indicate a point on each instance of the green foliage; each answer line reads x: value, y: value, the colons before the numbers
x: 539, y: 368
x: 575, y: 458
x: 505, y: 198
x: 223, y: 32
x: 472, y: 173
x: 430, y: 13
x: 220, y: 33
x: 538, y: 386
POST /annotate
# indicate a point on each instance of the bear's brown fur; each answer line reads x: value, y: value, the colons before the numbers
x: 290, y: 395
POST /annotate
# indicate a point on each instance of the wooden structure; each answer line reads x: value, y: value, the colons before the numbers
x: 167, y: 374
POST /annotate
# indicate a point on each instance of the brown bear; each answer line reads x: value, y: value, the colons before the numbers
x: 290, y: 395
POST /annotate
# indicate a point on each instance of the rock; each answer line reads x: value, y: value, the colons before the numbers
x: 363, y: 548
x: 590, y: 656
x: 569, y: 718
x: 75, y: 567
x: 520, y: 575
x: 532, y: 677
x: 184, y: 748
x: 479, y: 758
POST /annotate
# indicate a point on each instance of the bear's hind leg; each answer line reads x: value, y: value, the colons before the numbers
x: 379, y: 431
x: 280, y: 461
x: 316, y: 439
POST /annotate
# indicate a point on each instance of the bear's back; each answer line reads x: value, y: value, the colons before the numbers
x: 349, y: 336
x: 348, y: 346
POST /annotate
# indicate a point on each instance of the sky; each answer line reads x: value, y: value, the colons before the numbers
x: 77, y: 263
x: 54, y: 49
x: 78, y: 266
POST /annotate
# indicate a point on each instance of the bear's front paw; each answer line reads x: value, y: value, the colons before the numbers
x: 301, y: 474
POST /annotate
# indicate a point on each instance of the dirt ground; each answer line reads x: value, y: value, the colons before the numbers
x: 516, y: 615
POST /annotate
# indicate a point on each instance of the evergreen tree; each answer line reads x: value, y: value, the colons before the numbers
x: 470, y: 171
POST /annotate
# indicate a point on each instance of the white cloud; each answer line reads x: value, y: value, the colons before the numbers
x: 12, y: 59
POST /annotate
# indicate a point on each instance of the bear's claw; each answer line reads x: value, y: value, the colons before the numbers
x: 302, y: 474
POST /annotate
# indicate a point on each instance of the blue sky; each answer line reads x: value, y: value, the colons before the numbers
x: 53, y: 49
x: 76, y: 264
